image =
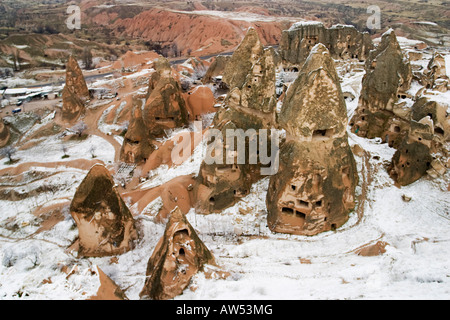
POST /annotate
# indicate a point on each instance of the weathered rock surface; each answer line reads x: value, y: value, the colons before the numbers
x: 216, y: 68
x: 341, y: 40
x: 75, y: 92
x: 436, y: 74
x: 200, y: 101
x: 421, y: 149
x: 108, y: 289
x: 314, y: 189
x: 105, y: 224
x: 177, y: 257
x: 249, y: 109
x: 137, y: 145
x: 241, y: 62
x: 387, y: 79
x: 165, y: 108
x: 4, y: 134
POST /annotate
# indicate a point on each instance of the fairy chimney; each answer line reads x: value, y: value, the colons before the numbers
x: 314, y: 189
x: 387, y: 80
x: 247, y: 110
x: 413, y: 157
x: 165, y: 107
x: 105, y: 224
x: 75, y: 92
x: 436, y: 73
x: 424, y: 145
x: 178, y: 256
x: 241, y: 62
x: 137, y: 144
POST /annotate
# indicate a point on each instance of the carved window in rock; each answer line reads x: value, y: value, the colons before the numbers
x: 302, y: 204
x: 438, y: 131
x: 345, y: 172
x: 322, y: 134
x: 293, y: 213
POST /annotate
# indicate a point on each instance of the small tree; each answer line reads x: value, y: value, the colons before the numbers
x: 79, y: 128
x: 87, y: 59
x: 64, y: 150
x: 92, y: 151
x: 8, y: 151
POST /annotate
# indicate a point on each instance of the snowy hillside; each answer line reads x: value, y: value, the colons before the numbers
x: 413, y: 222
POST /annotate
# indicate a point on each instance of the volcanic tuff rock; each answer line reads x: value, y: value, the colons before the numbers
x: 423, y: 146
x: 241, y: 62
x: 216, y: 68
x: 75, y: 92
x: 4, y: 134
x: 387, y: 79
x: 412, y: 158
x: 200, y: 101
x: 165, y: 108
x: 196, y: 34
x: 137, y: 145
x: 314, y: 189
x: 177, y: 257
x: 249, y: 108
x: 105, y: 225
x: 436, y: 74
x: 341, y: 40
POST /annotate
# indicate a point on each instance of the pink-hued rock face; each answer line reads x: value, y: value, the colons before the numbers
x: 105, y: 225
x: 178, y: 256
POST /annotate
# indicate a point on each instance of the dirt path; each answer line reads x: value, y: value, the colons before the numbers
x: 91, y: 119
x: 83, y: 164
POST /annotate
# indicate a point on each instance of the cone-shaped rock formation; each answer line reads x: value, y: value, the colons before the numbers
x: 178, y: 256
x: 241, y: 62
x: 387, y: 79
x: 75, y: 92
x: 105, y: 224
x: 314, y: 189
x: 246, y: 110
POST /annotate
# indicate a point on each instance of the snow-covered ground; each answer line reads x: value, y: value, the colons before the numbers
x: 262, y: 264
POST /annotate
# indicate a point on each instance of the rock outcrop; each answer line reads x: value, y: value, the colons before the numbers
x: 105, y: 224
x: 75, y: 93
x: 4, y: 134
x: 137, y: 145
x: 380, y: 111
x: 241, y: 62
x: 216, y: 68
x: 247, y: 109
x: 436, y: 74
x: 177, y: 257
x: 422, y: 149
x: 200, y: 101
x: 165, y: 108
x: 342, y: 41
x: 412, y: 158
x: 108, y: 289
x: 314, y: 189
